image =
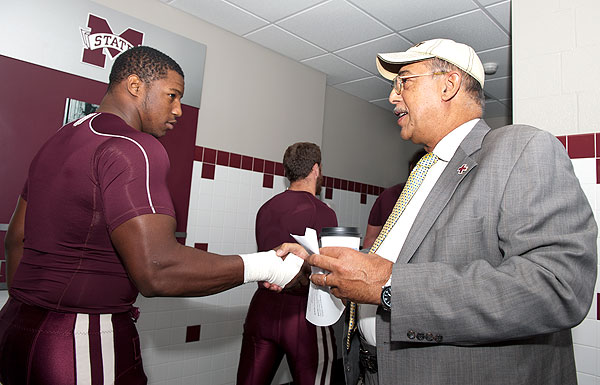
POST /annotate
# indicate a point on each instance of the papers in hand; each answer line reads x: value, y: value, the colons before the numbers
x: 323, y: 308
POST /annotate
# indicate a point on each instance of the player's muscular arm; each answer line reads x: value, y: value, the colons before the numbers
x: 161, y: 266
x: 13, y: 241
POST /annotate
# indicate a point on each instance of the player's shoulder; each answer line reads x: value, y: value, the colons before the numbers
x: 323, y: 205
x: 118, y: 134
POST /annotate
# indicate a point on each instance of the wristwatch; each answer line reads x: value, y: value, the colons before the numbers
x: 386, y: 298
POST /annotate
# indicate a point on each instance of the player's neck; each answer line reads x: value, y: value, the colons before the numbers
x: 303, y: 185
x: 114, y: 105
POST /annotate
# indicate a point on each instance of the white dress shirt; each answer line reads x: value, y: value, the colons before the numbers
x: 391, y: 246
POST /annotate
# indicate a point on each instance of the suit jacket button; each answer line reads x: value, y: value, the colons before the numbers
x: 438, y: 339
x: 429, y: 337
x: 411, y: 335
x: 420, y: 336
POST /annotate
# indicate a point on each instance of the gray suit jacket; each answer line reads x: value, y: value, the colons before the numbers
x: 499, y: 264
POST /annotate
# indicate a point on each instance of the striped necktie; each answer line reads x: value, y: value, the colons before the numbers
x: 415, y: 179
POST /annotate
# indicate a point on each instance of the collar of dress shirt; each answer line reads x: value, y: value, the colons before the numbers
x: 446, y: 148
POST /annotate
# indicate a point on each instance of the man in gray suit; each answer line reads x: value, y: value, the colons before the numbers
x: 493, y: 260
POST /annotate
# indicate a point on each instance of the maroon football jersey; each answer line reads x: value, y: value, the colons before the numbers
x: 384, y: 204
x: 87, y: 179
x: 290, y: 212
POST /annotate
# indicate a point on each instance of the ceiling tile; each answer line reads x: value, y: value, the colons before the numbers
x: 500, y: 56
x: 485, y: 3
x: 274, y: 10
x: 334, y: 25
x: 363, y: 55
x: 501, y: 12
x: 284, y: 42
x: 221, y: 14
x: 481, y: 33
x: 337, y: 70
x: 372, y: 88
x: 410, y: 13
x: 354, y: 31
x: 499, y: 88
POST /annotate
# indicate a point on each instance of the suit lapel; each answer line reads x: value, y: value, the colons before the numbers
x: 457, y: 169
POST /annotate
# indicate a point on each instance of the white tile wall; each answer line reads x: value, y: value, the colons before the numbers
x: 586, y: 336
x: 562, y: 52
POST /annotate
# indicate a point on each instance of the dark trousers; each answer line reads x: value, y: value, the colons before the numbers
x: 368, y: 363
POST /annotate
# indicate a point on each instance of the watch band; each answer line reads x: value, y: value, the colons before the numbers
x: 386, y: 298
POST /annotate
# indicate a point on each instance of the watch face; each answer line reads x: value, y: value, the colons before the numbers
x: 386, y: 297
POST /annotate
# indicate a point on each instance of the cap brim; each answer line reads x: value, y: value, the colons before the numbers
x: 388, y: 64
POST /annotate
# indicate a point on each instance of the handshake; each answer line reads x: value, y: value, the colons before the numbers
x: 352, y: 275
x: 274, y: 267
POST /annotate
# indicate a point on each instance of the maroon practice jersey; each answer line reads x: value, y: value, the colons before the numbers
x: 290, y: 212
x: 384, y: 204
x: 87, y: 179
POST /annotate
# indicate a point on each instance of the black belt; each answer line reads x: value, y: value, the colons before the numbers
x: 368, y: 358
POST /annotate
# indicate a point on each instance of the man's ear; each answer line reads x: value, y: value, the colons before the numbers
x: 316, y: 169
x: 451, y: 86
x: 134, y: 85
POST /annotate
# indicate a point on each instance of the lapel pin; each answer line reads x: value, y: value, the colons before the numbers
x: 462, y: 169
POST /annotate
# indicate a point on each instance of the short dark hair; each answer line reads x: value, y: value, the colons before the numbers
x: 299, y: 159
x: 472, y: 86
x: 147, y: 63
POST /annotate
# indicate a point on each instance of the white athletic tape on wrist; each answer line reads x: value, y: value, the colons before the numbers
x: 267, y: 266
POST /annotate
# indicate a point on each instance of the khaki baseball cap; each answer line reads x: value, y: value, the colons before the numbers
x: 461, y: 55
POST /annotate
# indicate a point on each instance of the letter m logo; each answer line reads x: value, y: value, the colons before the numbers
x: 99, y: 39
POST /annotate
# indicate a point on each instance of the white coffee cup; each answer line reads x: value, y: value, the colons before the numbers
x: 323, y: 308
x: 340, y: 236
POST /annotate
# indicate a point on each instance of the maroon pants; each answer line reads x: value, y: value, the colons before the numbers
x: 39, y: 346
x: 276, y: 326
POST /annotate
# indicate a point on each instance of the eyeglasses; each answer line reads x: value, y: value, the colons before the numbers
x: 399, y: 81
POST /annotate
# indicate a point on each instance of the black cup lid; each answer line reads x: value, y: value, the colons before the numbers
x: 340, y: 231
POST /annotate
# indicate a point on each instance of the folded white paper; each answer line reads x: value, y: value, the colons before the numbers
x: 323, y: 308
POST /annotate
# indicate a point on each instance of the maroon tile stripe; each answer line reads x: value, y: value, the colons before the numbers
x: 198, y: 151
x: 235, y: 160
x: 208, y: 171
x: 210, y: 155
x: 328, y: 193
x: 577, y: 146
x: 581, y: 146
x: 192, y: 333
x: 222, y: 158
x: 247, y: 162
x: 269, y: 168
x: 268, y: 180
x: 259, y: 165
